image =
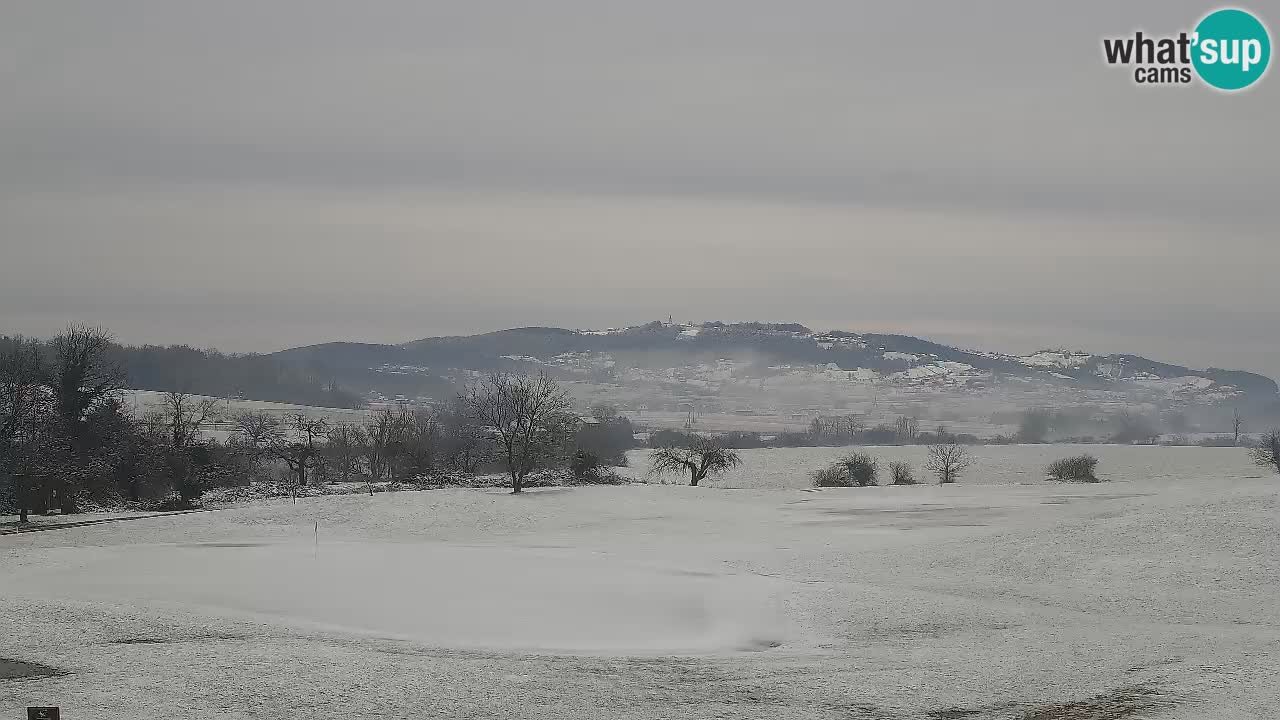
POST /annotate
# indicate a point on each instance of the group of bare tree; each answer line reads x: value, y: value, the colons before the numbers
x: 66, y: 437
x: 837, y: 429
x: 846, y: 430
x: 907, y: 428
x: 522, y: 422
x: 850, y: 430
x: 55, y: 415
x: 391, y: 445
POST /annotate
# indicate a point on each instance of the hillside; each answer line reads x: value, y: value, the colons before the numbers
x: 752, y: 368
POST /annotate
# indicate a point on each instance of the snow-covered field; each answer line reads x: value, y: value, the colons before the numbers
x: 221, y: 424
x: 1001, y: 597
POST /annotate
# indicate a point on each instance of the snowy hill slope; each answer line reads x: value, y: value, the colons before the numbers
x: 709, y: 355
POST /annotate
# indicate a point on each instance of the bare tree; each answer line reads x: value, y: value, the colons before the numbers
x: 901, y: 473
x: 420, y: 442
x: 382, y: 432
x: 523, y: 411
x: 466, y: 445
x: 155, y: 425
x: 344, y: 444
x: 948, y: 461
x: 837, y: 428
x: 403, y: 444
x: 23, y: 407
x: 850, y: 425
x: 301, y: 452
x: 22, y: 397
x: 83, y: 373
x: 1267, y: 453
x: 908, y: 428
x: 1237, y: 426
x: 257, y: 434
x: 819, y: 427
x: 258, y: 428
x: 184, y: 414
x: 704, y: 456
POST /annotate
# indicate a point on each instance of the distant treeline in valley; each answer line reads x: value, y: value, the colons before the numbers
x: 181, y: 368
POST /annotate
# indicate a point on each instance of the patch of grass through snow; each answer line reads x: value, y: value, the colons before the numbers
x: 1120, y: 703
x: 21, y: 669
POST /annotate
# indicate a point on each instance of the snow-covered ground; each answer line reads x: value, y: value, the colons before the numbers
x: 1000, y: 597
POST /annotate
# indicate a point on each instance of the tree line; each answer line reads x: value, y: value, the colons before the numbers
x: 513, y: 423
x: 826, y: 431
x: 69, y: 442
x: 206, y: 372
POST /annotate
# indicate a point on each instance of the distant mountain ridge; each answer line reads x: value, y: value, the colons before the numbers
x: 431, y: 364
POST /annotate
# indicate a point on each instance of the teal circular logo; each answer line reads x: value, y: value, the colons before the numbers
x: 1231, y: 49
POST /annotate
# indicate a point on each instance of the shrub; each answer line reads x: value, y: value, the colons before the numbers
x: 856, y: 470
x: 740, y: 440
x: 1074, y: 469
x: 879, y: 435
x: 586, y: 466
x: 793, y: 439
x: 831, y: 476
x: 610, y: 437
x: 861, y: 468
x: 671, y: 438
x: 1267, y: 452
x: 171, y: 503
x: 901, y: 473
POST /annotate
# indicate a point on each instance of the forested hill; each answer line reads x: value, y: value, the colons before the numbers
x: 344, y: 374
x: 667, y: 343
x: 209, y: 372
x: 599, y: 356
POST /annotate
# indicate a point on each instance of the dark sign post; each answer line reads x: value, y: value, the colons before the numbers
x: 43, y: 713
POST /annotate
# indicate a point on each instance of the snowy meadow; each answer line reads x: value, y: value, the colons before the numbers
x: 1002, y: 596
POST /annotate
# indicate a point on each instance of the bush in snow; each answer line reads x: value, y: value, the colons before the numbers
x: 1074, y: 469
x: 830, y: 476
x: 586, y: 466
x: 901, y: 473
x: 1267, y: 453
x: 856, y: 470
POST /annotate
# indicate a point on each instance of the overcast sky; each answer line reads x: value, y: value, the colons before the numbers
x: 254, y: 176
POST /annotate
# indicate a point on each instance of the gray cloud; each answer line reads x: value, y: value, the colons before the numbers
x: 257, y: 175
